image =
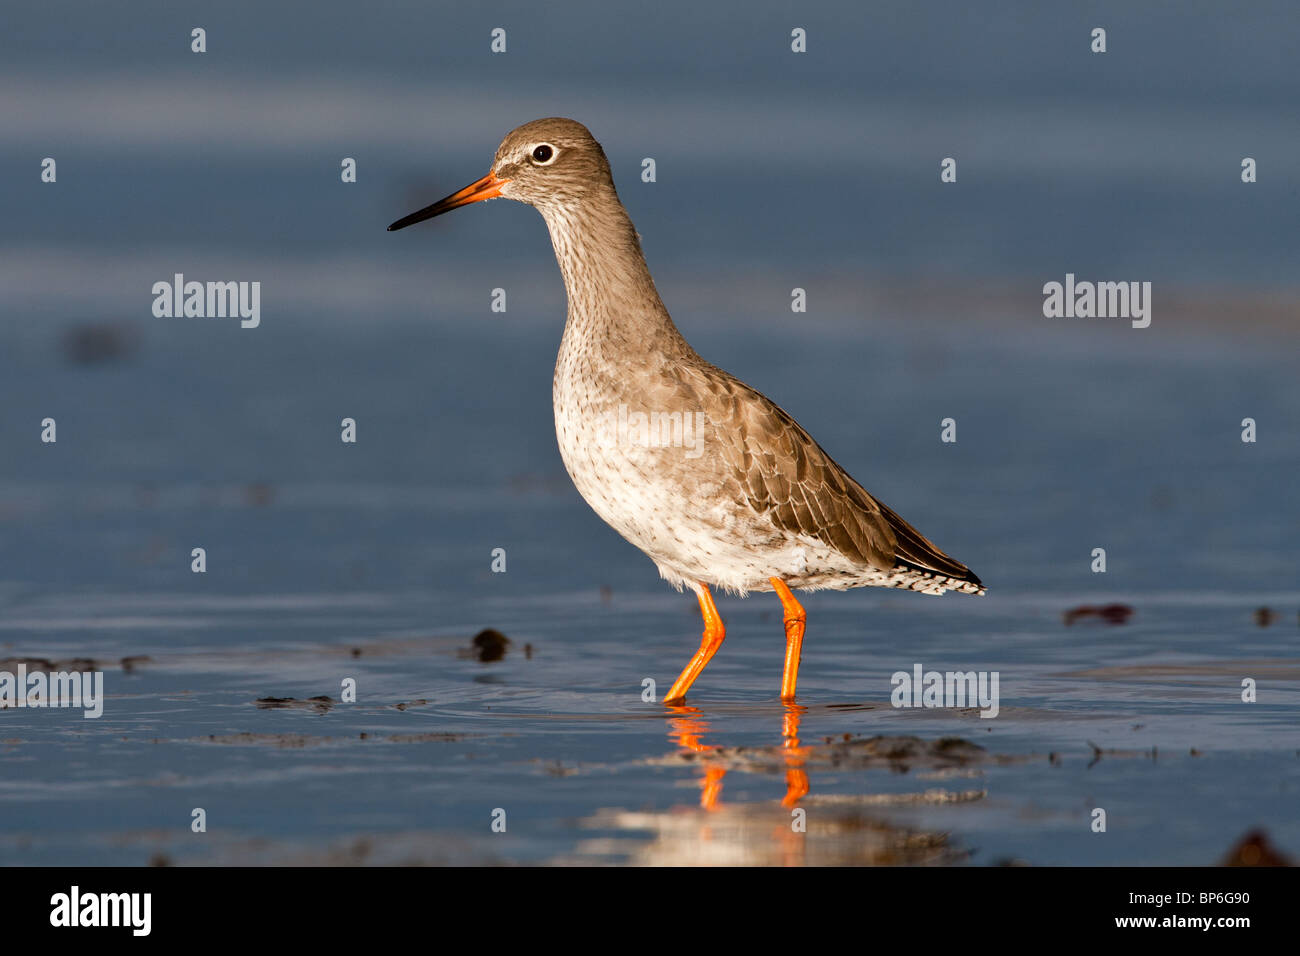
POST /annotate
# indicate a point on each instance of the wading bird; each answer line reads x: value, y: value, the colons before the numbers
x: 750, y: 502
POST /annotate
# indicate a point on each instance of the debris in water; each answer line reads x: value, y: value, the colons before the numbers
x: 489, y: 645
x: 318, y: 704
x: 1254, y: 849
x: 1110, y: 613
x: 99, y: 342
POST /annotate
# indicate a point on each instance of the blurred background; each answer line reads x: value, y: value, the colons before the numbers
x: 774, y: 170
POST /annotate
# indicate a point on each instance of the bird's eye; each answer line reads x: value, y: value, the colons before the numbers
x: 544, y: 154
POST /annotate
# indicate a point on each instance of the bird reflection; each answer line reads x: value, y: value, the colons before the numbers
x: 796, y: 778
x: 852, y: 827
x: 687, y: 729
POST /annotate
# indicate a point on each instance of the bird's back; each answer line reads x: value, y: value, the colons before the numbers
x: 787, y: 477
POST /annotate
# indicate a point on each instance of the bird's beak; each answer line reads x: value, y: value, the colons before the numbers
x: 489, y: 187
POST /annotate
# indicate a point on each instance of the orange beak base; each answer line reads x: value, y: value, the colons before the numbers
x: 489, y: 187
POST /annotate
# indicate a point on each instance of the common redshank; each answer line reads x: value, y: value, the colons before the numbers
x: 716, y: 483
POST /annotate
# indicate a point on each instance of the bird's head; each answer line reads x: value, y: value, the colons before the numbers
x: 549, y: 163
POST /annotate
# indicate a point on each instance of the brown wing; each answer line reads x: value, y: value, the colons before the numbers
x: 789, y: 477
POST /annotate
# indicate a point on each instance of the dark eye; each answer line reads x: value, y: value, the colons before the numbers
x: 543, y: 153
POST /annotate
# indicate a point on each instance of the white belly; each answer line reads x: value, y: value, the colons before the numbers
x: 675, y: 501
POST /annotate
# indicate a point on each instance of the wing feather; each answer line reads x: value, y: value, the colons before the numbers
x: 789, y: 478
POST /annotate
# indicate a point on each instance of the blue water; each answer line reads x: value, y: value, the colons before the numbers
x: 372, y: 561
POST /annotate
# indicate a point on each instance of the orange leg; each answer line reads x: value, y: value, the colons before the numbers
x: 714, y: 632
x: 794, y: 624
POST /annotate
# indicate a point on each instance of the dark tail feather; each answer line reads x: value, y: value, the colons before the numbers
x: 917, y: 551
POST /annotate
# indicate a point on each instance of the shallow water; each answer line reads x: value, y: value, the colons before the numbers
x: 321, y: 567
x: 372, y: 561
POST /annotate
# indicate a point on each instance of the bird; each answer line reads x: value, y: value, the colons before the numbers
x: 716, y: 483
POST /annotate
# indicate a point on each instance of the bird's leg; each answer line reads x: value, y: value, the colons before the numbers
x: 714, y: 632
x: 794, y: 622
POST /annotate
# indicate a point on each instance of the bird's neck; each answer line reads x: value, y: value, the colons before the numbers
x: 612, y: 297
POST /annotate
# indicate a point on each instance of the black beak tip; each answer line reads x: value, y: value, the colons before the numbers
x: 427, y: 213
